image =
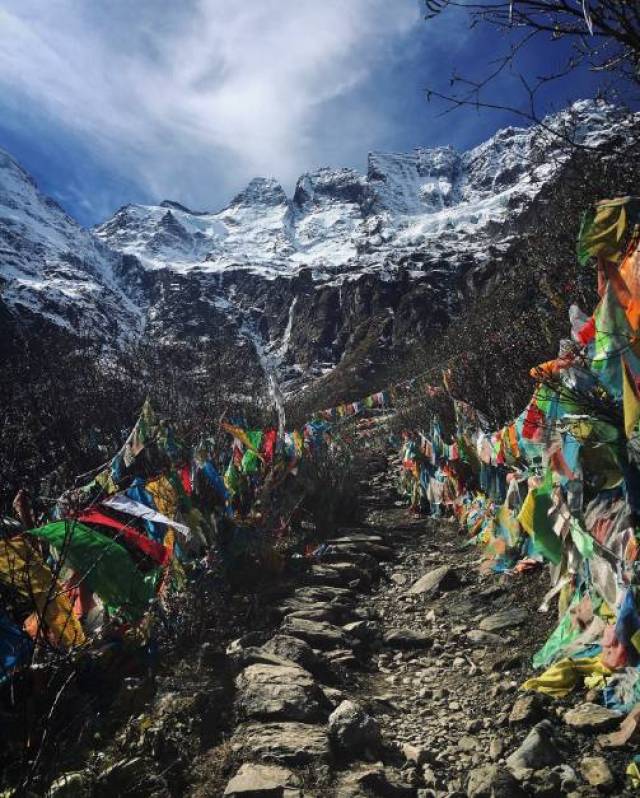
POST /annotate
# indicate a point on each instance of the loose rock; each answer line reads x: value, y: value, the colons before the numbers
x: 504, y: 619
x: 596, y: 772
x: 492, y: 781
x: 317, y: 633
x: 273, y: 692
x: 298, y: 651
x: 539, y: 749
x: 527, y: 709
x: 352, y: 730
x: 294, y: 744
x: 443, y: 578
x: 592, y: 717
x: 262, y: 781
x: 407, y: 638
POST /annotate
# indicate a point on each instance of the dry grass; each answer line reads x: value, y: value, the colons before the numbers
x: 212, y: 771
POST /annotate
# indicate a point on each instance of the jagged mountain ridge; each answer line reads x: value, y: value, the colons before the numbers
x: 298, y: 283
x: 53, y: 269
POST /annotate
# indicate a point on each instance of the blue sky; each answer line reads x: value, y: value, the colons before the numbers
x: 107, y: 102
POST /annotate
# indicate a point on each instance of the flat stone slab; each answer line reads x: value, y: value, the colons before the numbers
x: 322, y: 616
x: 379, y: 551
x: 282, y: 692
x: 342, y: 657
x: 361, y: 781
x: 363, y: 630
x: 315, y: 593
x: 263, y: 781
x: 443, y: 578
x: 291, y: 605
x: 592, y: 717
x: 361, y: 559
x: 355, y: 537
x: 254, y: 655
x: 407, y: 638
x: 337, y: 573
x: 297, y: 651
x: 493, y: 780
x: 504, y: 619
x: 318, y: 634
x: 288, y: 743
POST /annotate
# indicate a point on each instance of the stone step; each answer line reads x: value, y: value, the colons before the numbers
x: 287, y: 743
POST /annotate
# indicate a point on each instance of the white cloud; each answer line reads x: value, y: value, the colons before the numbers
x: 176, y: 95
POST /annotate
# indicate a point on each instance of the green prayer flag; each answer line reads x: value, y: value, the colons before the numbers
x: 582, y: 541
x: 562, y: 635
x: 534, y: 517
x: 104, y: 564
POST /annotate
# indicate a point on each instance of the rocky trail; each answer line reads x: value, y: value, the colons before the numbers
x: 408, y: 661
x: 392, y: 668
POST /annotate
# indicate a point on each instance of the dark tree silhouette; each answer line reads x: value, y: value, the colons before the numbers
x: 604, y: 37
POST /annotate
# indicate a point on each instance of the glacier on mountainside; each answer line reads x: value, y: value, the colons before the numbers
x: 340, y: 224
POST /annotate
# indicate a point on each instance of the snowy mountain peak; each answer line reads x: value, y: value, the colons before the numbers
x: 53, y: 269
x: 261, y: 191
x: 326, y: 185
x: 409, y: 206
x: 9, y: 164
x: 176, y: 206
x: 432, y: 216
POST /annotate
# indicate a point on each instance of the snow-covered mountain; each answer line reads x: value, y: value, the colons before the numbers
x: 303, y: 279
x: 51, y: 268
x: 342, y: 224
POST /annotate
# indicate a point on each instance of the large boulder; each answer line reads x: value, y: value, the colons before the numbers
x: 279, y: 692
x: 288, y: 743
x: 352, y: 730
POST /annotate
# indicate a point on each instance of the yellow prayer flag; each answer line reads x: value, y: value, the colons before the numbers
x: 22, y: 569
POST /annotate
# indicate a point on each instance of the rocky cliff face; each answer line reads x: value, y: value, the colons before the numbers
x: 349, y: 264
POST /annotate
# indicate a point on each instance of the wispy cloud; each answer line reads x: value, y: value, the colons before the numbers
x: 189, y: 99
